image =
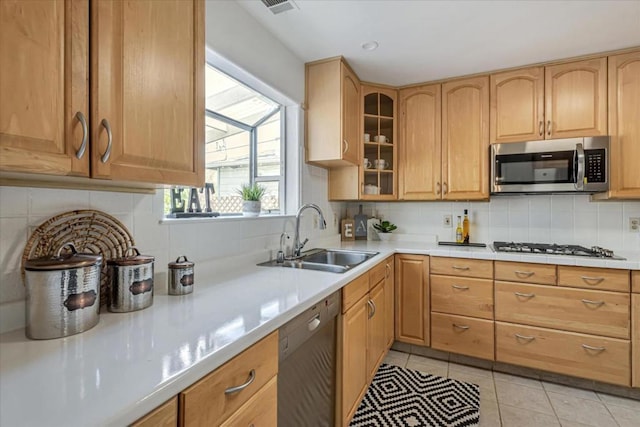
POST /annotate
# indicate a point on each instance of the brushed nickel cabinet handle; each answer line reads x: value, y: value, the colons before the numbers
x: 373, y: 304
x: 387, y: 268
x: 525, y: 337
x: 588, y: 347
x: 541, y: 127
x: 524, y: 273
x: 107, y: 153
x: 549, y: 127
x: 523, y: 295
x: 595, y: 280
x: 456, y: 267
x: 372, y: 308
x: 85, y: 135
x: 438, y: 188
x: 345, y: 144
x: 445, y: 188
x: 463, y: 327
x: 252, y: 377
x: 596, y: 303
x: 464, y: 288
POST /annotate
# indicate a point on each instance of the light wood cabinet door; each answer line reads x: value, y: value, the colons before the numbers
x: 635, y: 339
x: 389, y: 293
x: 354, y: 357
x: 576, y: 99
x: 147, y: 71
x: 412, y: 299
x: 465, y: 139
x: 350, y: 115
x: 165, y: 415
x: 624, y: 115
x: 517, y: 105
x: 420, y: 143
x: 44, y: 78
x: 376, y: 330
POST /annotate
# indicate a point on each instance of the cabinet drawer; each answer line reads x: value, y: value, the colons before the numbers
x: 206, y: 404
x: 580, y: 355
x: 462, y: 295
x: 591, y: 312
x: 594, y: 278
x: 260, y: 411
x: 354, y: 290
x: 635, y: 281
x: 463, y: 335
x: 165, y: 415
x: 543, y: 274
x: 464, y: 267
x: 377, y: 273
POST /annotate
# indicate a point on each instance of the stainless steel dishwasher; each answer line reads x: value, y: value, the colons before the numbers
x: 307, y: 366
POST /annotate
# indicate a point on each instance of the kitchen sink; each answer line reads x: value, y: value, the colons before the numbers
x: 332, y: 260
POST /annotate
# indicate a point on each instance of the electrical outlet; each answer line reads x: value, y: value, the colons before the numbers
x: 446, y: 221
x: 634, y: 224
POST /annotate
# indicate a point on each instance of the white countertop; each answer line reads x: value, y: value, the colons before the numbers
x: 130, y: 363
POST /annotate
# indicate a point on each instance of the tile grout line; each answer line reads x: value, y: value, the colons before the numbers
x: 553, y: 408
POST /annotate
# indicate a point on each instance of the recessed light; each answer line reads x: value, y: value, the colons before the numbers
x: 371, y: 45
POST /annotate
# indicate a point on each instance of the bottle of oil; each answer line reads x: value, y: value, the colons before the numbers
x: 459, y: 238
x: 465, y: 227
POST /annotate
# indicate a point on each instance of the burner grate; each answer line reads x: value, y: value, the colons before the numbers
x: 554, y: 249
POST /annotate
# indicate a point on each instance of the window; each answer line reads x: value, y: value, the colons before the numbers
x: 244, y: 145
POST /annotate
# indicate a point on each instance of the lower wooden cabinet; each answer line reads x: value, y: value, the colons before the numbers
x: 354, y: 373
x: 210, y: 401
x: 412, y: 299
x: 390, y: 294
x: 165, y: 415
x: 581, y: 355
x: 635, y: 339
x: 463, y: 335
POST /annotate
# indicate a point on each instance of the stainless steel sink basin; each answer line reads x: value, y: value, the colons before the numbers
x: 332, y: 260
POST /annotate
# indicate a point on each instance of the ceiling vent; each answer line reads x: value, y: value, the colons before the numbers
x: 279, y: 6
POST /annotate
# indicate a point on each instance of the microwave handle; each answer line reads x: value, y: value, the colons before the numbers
x: 579, y: 184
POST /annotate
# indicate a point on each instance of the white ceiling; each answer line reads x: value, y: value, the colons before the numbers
x: 428, y: 40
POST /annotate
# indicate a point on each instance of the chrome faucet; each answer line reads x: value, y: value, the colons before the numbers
x: 297, y: 246
x: 281, y: 255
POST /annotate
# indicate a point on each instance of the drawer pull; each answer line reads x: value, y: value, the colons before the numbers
x: 372, y: 306
x: 588, y: 347
x: 520, y: 294
x: 524, y: 273
x: 455, y: 267
x: 463, y: 327
x: 596, y: 303
x: 594, y: 280
x: 524, y: 337
x: 464, y: 288
x: 252, y: 377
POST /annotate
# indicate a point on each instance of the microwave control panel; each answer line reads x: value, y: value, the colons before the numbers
x: 595, y: 165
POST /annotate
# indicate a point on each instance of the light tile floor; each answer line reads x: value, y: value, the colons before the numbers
x: 512, y: 401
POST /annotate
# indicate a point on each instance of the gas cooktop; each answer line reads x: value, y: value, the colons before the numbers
x: 554, y: 249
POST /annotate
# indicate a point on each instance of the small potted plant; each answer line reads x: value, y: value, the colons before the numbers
x: 251, y: 196
x: 384, y: 229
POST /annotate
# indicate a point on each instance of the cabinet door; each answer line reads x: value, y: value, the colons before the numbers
x: 147, y: 69
x: 635, y: 340
x: 465, y: 139
x: 420, y: 143
x: 376, y: 330
x: 576, y: 99
x: 412, y: 299
x: 354, y: 357
x: 624, y: 114
x: 517, y: 105
x: 44, y: 84
x: 389, y: 293
x: 350, y: 115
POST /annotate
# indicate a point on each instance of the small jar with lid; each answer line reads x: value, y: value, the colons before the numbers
x: 130, y: 282
x: 181, y: 276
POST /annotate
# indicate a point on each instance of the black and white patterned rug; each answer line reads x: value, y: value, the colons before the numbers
x: 404, y: 397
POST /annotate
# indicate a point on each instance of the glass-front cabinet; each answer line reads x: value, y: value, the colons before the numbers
x: 379, y: 154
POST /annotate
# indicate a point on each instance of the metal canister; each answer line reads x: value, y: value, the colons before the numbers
x: 63, y: 293
x: 181, y: 276
x: 130, y: 282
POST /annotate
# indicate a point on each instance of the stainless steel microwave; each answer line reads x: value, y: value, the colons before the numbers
x: 575, y: 165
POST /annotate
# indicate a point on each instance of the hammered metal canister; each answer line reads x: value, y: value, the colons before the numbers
x: 130, y: 282
x: 63, y: 293
x: 181, y: 276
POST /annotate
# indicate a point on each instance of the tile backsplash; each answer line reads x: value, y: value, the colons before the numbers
x: 562, y: 219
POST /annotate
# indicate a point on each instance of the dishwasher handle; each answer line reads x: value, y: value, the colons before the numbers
x: 313, y: 324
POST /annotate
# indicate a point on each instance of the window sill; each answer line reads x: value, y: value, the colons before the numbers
x: 230, y: 218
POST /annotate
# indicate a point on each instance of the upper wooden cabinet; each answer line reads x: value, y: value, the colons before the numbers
x: 333, y: 114
x: 624, y: 128
x: 465, y: 139
x: 558, y: 101
x: 145, y: 122
x: 420, y: 166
